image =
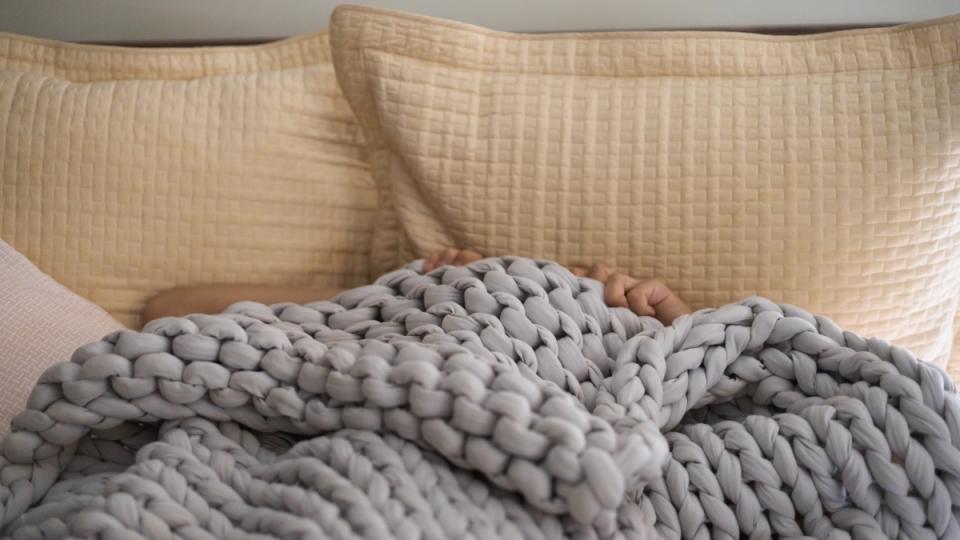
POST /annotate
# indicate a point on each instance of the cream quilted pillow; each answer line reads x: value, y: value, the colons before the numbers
x: 41, y: 323
x: 126, y: 171
x: 818, y: 170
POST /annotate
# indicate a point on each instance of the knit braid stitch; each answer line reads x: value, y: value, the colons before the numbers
x: 498, y: 399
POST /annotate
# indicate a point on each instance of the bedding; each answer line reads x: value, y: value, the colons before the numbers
x: 41, y: 323
x: 501, y: 399
x: 127, y: 171
x: 820, y: 170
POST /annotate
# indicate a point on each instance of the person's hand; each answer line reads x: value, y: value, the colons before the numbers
x: 450, y: 256
x: 650, y: 297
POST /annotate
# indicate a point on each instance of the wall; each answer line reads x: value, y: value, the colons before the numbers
x: 218, y: 20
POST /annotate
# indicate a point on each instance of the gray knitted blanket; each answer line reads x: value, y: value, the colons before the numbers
x: 498, y: 400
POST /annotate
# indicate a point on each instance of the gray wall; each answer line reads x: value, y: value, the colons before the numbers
x: 193, y: 20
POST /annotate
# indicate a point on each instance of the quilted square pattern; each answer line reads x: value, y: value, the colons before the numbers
x: 819, y: 170
x: 126, y: 171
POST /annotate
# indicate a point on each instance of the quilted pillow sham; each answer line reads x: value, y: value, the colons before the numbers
x: 820, y: 170
x: 125, y: 171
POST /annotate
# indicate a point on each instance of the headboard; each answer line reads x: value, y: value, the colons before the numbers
x: 214, y: 22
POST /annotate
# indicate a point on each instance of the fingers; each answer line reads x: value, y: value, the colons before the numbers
x: 639, y: 299
x: 670, y: 309
x: 578, y: 271
x: 649, y: 298
x: 654, y: 290
x: 431, y: 261
x: 466, y: 257
x: 449, y: 256
x: 600, y: 272
x: 653, y: 298
x: 441, y: 257
x: 616, y: 288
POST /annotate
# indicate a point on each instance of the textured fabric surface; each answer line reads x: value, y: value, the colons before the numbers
x: 953, y: 365
x: 41, y: 323
x: 820, y: 170
x: 498, y: 399
x: 127, y: 171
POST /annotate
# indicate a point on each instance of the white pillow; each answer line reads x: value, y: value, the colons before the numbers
x: 41, y: 324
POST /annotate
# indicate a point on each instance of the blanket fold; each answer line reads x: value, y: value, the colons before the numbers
x: 503, y: 399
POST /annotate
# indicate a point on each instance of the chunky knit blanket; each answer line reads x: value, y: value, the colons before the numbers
x: 502, y: 399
